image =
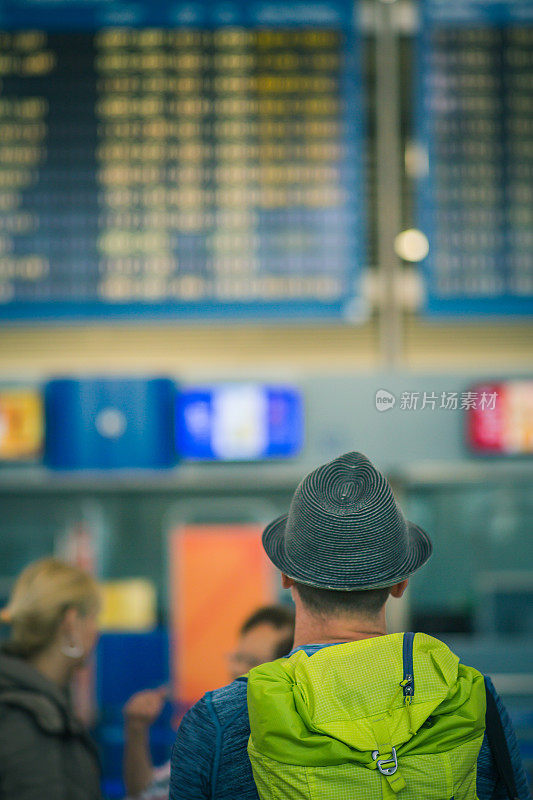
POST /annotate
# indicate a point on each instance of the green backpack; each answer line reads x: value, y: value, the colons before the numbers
x: 376, y: 718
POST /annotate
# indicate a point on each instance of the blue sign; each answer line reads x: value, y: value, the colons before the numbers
x: 239, y: 422
x: 109, y: 423
x: 475, y: 77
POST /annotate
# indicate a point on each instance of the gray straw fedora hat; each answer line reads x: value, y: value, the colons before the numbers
x: 345, y: 530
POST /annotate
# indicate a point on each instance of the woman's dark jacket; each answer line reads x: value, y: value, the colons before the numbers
x: 45, y: 752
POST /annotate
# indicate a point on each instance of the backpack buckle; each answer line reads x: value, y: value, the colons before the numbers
x: 382, y: 762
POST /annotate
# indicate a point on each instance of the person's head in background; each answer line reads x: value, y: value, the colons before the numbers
x: 52, y: 614
x: 264, y: 636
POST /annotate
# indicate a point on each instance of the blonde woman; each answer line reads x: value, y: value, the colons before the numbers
x: 45, y: 752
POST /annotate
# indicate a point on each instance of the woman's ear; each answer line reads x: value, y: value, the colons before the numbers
x: 69, y: 622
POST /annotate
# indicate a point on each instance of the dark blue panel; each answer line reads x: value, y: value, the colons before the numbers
x: 482, y: 12
x: 127, y: 663
x: 106, y: 423
x: 474, y: 79
x: 90, y: 14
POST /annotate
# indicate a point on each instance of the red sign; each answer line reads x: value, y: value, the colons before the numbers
x: 501, y: 418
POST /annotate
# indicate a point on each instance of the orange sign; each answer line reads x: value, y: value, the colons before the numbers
x: 219, y: 574
x: 21, y: 424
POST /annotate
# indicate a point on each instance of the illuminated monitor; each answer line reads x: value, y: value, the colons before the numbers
x: 474, y: 155
x: 500, y: 418
x: 180, y: 160
x: 239, y: 422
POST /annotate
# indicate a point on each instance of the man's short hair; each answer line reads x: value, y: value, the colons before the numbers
x: 278, y: 616
x: 330, y: 602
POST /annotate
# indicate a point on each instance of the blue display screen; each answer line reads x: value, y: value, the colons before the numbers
x: 180, y: 160
x: 239, y: 422
x: 474, y: 119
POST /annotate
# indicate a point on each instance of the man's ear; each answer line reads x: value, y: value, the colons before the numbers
x: 286, y: 582
x: 399, y: 588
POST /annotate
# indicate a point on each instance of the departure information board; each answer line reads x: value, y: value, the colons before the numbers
x: 475, y: 117
x: 180, y: 160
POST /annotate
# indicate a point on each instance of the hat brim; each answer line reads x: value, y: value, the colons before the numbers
x: 418, y: 552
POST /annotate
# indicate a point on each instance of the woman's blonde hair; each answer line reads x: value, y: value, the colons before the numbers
x: 42, y: 594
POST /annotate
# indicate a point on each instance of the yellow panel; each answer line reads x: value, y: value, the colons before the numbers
x: 21, y: 424
x: 312, y: 349
x: 128, y: 605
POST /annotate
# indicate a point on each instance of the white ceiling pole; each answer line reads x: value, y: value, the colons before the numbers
x: 388, y: 180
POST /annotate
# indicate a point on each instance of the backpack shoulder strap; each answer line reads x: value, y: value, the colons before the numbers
x: 498, y: 745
